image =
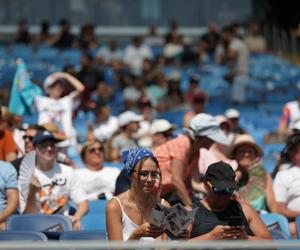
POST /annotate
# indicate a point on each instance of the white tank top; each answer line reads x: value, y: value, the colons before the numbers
x: 128, y: 225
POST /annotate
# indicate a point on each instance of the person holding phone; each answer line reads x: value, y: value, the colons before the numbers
x: 220, y: 216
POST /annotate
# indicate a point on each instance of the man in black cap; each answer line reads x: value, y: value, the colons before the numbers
x: 219, y: 215
x: 47, y: 187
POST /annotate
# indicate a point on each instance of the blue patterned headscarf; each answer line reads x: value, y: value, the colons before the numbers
x: 132, y: 156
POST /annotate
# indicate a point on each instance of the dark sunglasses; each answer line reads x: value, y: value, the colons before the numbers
x: 226, y: 191
x: 144, y: 174
x: 30, y: 138
x: 93, y: 150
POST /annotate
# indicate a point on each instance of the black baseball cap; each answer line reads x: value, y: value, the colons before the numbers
x: 221, y: 175
x: 43, y: 136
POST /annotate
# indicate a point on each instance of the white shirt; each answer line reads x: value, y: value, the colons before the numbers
x: 57, y: 111
x: 287, y: 187
x: 242, y: 60
x: 109, y: 55
x: 97, y: 182
x: 135, y: 57
x: 58, y: 186
x: 104, y: 130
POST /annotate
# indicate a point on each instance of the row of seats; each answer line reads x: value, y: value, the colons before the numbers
x: 58, y: 227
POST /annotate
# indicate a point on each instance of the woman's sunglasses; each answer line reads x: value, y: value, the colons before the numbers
x: 94, y: 150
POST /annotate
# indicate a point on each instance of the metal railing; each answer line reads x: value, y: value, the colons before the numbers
x: 222, y: 244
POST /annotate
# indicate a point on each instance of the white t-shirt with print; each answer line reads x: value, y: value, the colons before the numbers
x: 57, y: 111
x: 97, y: 182
x: 286, y: 188
x: 58, y: 185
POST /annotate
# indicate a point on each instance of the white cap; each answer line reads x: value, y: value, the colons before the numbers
x: 160, y: 125
x: 232, y: 113
x: 206, y: 125
x: 49, y: 81
x: 129, y: 116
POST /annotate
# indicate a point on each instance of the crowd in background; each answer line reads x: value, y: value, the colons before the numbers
x: 125, y: 90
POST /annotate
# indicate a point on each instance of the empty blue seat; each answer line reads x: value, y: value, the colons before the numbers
x: 277, y: 222
x: 84, y: 235
x: 52, y: 225
x: 16, y: 235
x: 278, y: 235
x: 94, y: 222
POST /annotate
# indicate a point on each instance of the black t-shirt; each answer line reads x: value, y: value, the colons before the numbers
x: 206, y: 220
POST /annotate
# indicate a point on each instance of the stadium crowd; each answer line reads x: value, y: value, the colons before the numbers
x: 100, y: 129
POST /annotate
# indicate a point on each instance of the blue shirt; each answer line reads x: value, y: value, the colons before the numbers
x: 8, y: 180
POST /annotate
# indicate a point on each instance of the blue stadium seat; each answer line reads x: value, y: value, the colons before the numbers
x: 95, y: 219
x: 13, y: 235
x: 276, y: 220
x: 52, y: 225
x: 94, y: 222
x: 84, y: 235
x: 278, y: 235
x: 298, y: 226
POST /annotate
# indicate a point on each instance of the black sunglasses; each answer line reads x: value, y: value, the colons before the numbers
x: 30, y: 138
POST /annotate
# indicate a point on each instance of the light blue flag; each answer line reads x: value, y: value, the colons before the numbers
x: 23, y: 91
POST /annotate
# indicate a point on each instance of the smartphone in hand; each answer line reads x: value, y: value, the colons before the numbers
x: 235, y: 221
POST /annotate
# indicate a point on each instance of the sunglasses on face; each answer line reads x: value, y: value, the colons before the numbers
x: 46, y: 144
x: 145, y: 174
x: 25, y: 137
x: 94, y: 150
x: 226, y: 191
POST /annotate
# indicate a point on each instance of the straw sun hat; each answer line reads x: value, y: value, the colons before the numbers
x: 241, y: 140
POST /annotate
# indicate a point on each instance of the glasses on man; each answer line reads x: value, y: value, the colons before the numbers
x: 226, y: 191
x: 27, y: 137
x: 96, y: 149
x: 155, y: 175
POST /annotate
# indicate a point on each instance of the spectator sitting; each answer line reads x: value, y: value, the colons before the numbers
x: 30, y: 133
x: 57, y: 108
x: 105, y: 125
x: 87, y: 39
x: 287, y: 183
x: 111, y: 52
x: 211, y: 38
x: 212, y: 220
x: 153, y: 39
x: 89, y: 75
x: 199, y: 100
x: 97, y: 180
x: 255, y: 185
x: 45, y: 185
x: 44, y: 37
x: 290, y: 116
x: 8, y: 147
x: 178, y: 157
x: 233, y: 117
x: 23, y: 35
x: 129, y: 125
x: 135, y: 54
x: 9, y: 198
x: 64, y: 39
x: 127, y: 215
x: 255, y: 42
x: 162, y: 131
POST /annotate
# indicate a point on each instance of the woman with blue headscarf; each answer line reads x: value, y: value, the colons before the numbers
x: 127, y: 215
